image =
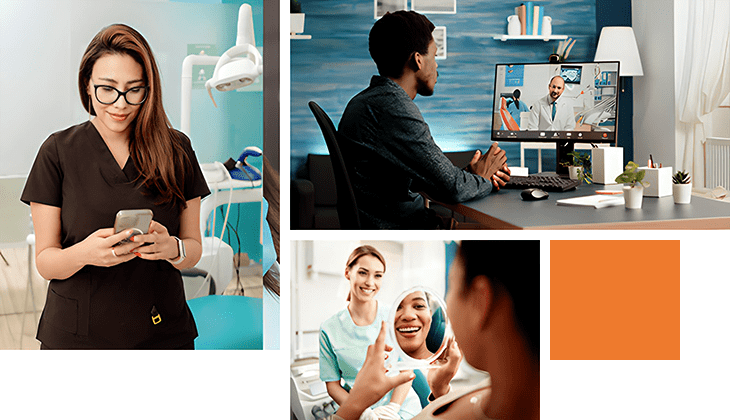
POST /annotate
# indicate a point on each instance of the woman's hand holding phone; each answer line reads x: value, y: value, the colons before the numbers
x: 158, y: 244
x: 100, y: 250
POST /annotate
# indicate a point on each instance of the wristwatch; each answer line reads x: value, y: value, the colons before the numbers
x: 180, y: 250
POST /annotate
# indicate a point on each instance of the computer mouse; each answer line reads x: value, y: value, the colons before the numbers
x: 532, y: 194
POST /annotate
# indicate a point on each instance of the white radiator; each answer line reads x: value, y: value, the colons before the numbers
x: 717, y: 162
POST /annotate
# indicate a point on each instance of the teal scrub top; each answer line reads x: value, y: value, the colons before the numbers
x: 342, y: 350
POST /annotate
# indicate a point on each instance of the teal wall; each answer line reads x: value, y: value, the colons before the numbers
x: 223, y: 132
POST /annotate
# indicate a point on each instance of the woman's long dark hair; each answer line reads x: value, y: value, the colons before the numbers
x: 154, y: 147
x: 271, y: 194
x: 516, y: 272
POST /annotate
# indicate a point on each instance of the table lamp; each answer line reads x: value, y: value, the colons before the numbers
x: 618, y: 43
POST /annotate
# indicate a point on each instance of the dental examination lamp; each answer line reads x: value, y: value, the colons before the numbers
x: 238, y: 67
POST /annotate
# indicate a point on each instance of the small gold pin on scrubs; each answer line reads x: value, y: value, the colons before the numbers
x: 156, y: 318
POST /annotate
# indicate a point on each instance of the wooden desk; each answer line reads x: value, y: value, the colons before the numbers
x: 505, y: 209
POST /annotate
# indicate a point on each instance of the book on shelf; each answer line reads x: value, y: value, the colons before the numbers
x: 522, y: 14
x: 536, y: 20
x: 530, y: 16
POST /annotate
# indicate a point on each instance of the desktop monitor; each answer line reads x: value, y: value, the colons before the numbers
x: 585, y: 110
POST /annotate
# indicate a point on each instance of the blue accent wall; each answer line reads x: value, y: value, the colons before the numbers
x: 618, y: 13
x: 335, y: 65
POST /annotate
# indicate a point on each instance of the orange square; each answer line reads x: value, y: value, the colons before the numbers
x: 614, y: 300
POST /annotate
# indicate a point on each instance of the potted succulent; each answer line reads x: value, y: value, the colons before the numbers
x: 681, y: 187
x: 296, y: 18
x: 633, y: 180
x: 580, y: 167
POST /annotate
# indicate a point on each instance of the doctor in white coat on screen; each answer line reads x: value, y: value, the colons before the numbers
x: 551, y: 113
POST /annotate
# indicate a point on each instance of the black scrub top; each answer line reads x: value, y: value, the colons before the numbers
x: 108, y: 307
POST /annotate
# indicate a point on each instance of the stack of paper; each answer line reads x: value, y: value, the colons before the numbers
x: 596, y: 201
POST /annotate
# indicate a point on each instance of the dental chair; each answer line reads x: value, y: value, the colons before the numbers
x: 420, y: 385
x: 309, y: 397
x: 228, y: 322
x: 297, y: 412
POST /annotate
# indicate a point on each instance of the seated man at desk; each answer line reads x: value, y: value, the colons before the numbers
x: 387, y: 145
x: 550, y: 114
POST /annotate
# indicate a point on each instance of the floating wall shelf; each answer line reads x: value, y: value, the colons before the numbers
x: 529, y: 37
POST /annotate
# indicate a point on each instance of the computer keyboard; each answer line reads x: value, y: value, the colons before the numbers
x: 546, y: 183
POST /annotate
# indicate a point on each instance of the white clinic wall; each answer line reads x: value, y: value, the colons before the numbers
x: 41, y: 44
x: 661, y: 34
x: 654, y: 93
x: 319, y: 288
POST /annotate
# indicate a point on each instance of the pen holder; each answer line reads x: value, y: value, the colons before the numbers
x: 607, y: 164
x: 660, y: 181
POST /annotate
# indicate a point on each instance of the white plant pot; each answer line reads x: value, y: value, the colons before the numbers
x: 573, y: 171
x: 633, y: 196
x: 296, y: 23
x: 682, y: 193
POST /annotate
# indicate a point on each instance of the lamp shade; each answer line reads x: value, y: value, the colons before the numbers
x: 618, y: 43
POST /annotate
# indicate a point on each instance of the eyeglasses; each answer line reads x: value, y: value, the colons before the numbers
x: 108, y: 95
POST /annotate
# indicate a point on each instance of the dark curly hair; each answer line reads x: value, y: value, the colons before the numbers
x: 395, y: 37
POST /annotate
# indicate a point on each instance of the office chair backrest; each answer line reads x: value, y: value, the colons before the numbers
x: 346, y: 205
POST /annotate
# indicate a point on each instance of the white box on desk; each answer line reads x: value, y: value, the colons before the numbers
x: 606, y: 164
x: 660, y: 181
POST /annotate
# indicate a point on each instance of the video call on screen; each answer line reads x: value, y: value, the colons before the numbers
x: 588, y: 102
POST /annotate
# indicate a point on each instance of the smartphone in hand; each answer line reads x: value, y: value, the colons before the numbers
x: 138, y: 220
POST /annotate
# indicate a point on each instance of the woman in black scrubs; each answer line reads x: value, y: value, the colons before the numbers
x: 126, y: 157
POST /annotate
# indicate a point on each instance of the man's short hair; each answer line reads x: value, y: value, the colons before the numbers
x: 396, y: 36
x: 556, y: 77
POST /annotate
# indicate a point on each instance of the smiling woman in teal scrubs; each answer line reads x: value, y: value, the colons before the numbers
x: 126, y: 157
x: 344, y: 338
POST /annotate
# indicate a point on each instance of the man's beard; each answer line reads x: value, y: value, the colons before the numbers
x: 424, y: 90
